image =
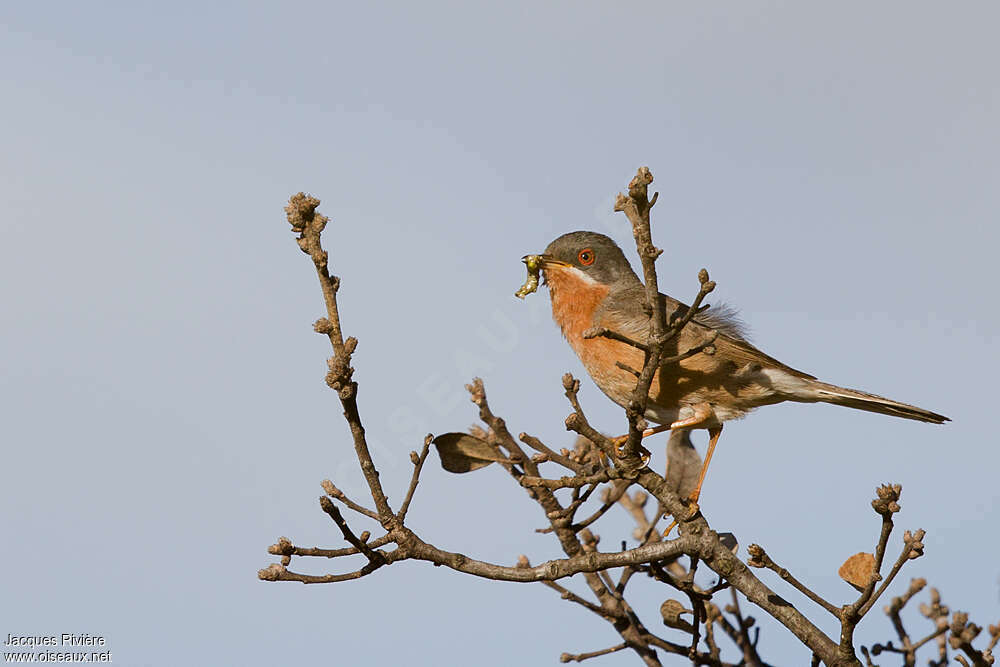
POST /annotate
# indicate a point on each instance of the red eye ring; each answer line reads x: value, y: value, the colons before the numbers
x: 586, y: 257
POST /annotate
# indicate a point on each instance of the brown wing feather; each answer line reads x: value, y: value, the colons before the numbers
x: 730, y: 344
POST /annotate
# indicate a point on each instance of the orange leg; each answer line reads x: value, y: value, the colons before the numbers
x: 713, y: 440
x: 702, y: 413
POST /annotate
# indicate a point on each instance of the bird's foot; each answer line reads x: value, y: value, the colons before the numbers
x: 691, y: 503
x: 619, y: 443
x: 619, y: 446
x: 693, y: 509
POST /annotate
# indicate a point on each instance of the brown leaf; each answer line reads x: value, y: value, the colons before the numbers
x: 461, y: 452
x: 671, y: 611
x: 857, y: 570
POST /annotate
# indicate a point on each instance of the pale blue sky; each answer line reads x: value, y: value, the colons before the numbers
x: 164, y: 415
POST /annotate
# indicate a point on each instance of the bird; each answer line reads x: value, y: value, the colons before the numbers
x: 594, y: 289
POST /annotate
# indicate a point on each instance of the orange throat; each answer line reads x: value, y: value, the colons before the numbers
x: 574, y: 300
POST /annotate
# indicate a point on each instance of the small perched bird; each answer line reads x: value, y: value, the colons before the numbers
x: 594, y: 288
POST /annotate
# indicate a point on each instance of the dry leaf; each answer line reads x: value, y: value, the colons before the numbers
x: 857, y: 570
x: 461, y: 452
x: 671, y: 611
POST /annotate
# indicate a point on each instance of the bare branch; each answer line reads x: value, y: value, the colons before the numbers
x: 276, y: 572
x: 285, y: 548
x: 567, y: 594
x: 759, y: 558
x: 580, y: 657
x: 569, y: 482
x: 912, y: 548
x: 540, y: 447
x: 636, y: 207
x: 722, y: 561
x: 418, y: 464
x: 748, y: 647
x: 309, y: 224
x: 596, y: 332
x: 376, y: 558
x: 707, y: 345
x: 596, y: 463
x: 337, y: 494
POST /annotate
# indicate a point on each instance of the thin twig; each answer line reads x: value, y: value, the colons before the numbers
x: 601, y: 332
x: 580, y: 657
x: 309, y: 224
x: 337, y: 494
x: 285, y: 548
x: 418, y: 464
x: 936, y: 633
x: 376, y: 558
x: 276, y: 572
x: 567, y: 594
x: 613, y: 495
x: 759, y: 558
x: 748, y: 647
x: 911, y: 545
x: 568, y: 482
x: 540, y: 446
x: 697, y: 349
x: 636, y: 207
x: 671, y: 647
x: 893, y: 612
x: 578, y: 500
x: 885, y: 505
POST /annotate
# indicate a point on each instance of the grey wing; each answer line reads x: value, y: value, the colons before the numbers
x: 724, y: 319
x: 721, y: 316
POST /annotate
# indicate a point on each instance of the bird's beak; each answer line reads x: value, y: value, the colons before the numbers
x: 545, y: 260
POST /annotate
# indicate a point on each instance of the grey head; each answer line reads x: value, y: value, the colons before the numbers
x: 596, y: 255
x: 600, y: 258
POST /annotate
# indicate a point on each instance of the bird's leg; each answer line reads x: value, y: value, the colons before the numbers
x: 713, y: 439
x: 702, y: 413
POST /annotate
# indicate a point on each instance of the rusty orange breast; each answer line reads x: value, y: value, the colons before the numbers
x: 574, y: 300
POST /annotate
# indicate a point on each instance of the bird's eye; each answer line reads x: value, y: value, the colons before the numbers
x: 586, y: 257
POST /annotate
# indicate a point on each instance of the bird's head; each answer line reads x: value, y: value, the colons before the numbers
x: 588, y: 257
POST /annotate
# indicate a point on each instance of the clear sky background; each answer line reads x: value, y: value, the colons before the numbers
x: 164, y: 417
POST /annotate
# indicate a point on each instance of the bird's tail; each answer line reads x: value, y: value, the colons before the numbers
x: 852, y: 398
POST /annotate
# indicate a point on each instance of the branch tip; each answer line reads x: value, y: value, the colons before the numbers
x: 887, y: 501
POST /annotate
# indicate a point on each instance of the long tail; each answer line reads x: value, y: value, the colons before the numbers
x: 852, y: 398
